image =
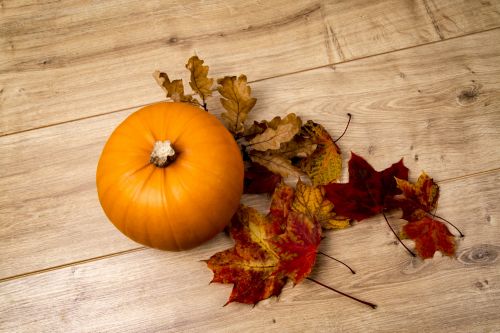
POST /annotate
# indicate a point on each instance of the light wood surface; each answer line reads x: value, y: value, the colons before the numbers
x: 421, y: 79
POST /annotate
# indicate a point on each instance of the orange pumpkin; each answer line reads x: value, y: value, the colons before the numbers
x: 170, y: 176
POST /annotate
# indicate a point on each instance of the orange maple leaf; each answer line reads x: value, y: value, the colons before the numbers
x: 268, y: 250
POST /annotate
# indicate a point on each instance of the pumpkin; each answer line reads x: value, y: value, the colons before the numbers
x: 170, y: 176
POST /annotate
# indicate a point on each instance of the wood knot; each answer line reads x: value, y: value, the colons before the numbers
x: 483, y: 254
x: 469, y: 94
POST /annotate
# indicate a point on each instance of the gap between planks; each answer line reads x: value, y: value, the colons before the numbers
x: 143, y: 248
x: 259, y: 80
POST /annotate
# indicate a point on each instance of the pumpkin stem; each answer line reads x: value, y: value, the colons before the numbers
x: 163, y: 154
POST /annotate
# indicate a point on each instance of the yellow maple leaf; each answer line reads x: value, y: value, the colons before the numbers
x: 311, y: 200
x: 237, y: 100
x: 324, y: 165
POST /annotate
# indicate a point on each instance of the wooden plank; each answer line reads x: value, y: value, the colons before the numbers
x: 405, y: 104
x: 453, y: 18
x: 83, y: 59
x: 362, y: 28
x: 160, y: 291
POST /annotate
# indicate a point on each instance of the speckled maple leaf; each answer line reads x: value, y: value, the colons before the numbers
x: 268, y: 251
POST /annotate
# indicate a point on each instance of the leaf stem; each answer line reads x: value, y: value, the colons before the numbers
x: 373, y: 306
x: 345, y: 129
x: 399, y: 239
x: 337, y: 260
x: 439, y: 217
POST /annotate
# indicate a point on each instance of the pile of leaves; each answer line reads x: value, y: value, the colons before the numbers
x: 271, y: 249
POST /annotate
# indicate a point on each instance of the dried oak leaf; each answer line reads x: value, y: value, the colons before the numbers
x: 324, y: 165
x: 275, y: 162
x: 417, y: 199
x: 237, y: 100
x: 259, y: 179
x: 430, y: 236
x: 277, y: 131
x: 367, y: 191
x: 311, y: 200
x: 200, y: 83
x: 268, y: 250
x: 174, y: 89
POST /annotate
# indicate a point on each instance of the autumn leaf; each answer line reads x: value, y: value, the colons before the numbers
x: 237, y: 100
x: 417, y: 199
x: 324, y: 165
x: 367, y: 190
x: 430, y: 236
x: 174, y: 89
x: 278, y: 131
x: 268, y: 250
x: 200, y: 83
x: 276, y: 163
x: 259, y: 179
x: 250, y: 265
x: 311, y: 201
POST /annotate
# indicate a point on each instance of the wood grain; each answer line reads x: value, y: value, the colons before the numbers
x: 453, y: 18
x: 361, y: 28
x: 83, y: 59
x: 160, y: 291
x: 404, y: 104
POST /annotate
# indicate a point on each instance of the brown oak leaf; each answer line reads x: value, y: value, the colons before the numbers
x: 277, y: 131
x: 174, y: 89
x: 200, y: 83
x: 237, y: 100
x: 276, y: 163
x: 268, y: 250
x: 311, y: 200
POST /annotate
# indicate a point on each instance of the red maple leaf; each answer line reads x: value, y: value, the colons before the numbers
x: 259, y: 179
x: 268, y: 250
x: 367, y: 191
x: 430, y: 236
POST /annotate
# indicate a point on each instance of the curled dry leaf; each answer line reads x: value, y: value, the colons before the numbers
x: 237, y: 100
x: 200, y: 83
x: 174, y: 89
x: 278, y: 131
x: 276, y: 163
x: 311, y: 200
x: 268, y: 250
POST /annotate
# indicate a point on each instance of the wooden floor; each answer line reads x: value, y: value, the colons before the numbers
x: 420, y: 77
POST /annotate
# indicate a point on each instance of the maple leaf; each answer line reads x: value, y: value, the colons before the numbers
x: 236, y: 100
x: 200, y: 83
x: 417, y: 199
x: 324, y: 165
x: 275, y: 162
x: 367, y: 191
x: 311, y: 200
x: 278, y: 131
x: 174, y: 89
x: 430, y: 236
x: 259, y: 179
x: 268, y: 250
